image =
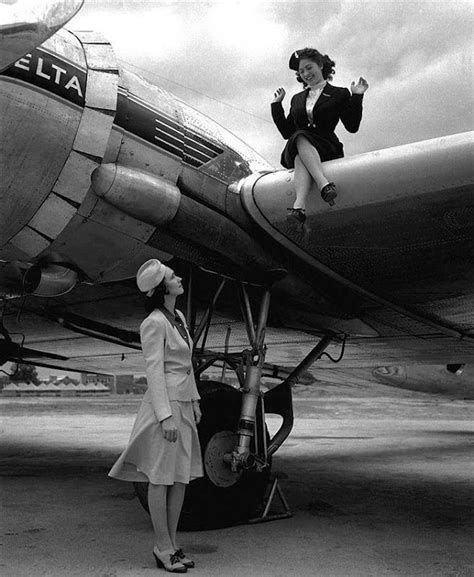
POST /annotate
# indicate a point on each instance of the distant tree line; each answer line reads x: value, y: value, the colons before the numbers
x: 21, y: 373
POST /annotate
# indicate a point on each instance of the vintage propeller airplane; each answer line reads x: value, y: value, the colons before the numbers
x: 101, y: 171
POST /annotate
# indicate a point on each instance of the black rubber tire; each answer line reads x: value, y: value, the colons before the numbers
x: 207, y: 506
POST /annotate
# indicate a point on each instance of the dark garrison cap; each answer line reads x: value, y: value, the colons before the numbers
x: 294, y: 62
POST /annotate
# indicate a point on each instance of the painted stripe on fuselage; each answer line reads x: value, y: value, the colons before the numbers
x: 43, y: 91
x: 51, y: 73
x: 162, y: 125
x: 59, y: 77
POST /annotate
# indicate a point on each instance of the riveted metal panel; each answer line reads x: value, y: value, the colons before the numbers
x: 98, y: 248
x: 89, y: 36
x: 100, y: 56
x: 35, y: 148
x: 137, y: 153
x: 134, y: 258
x: 93, y: 133
x: 30, y: 242
x: 150, y: 94
x: 75, y: 178
x: 228, y: 168
x: 92, y: 137
x: 65, y: 43
x: 88, y: 205
x: 102, y: 90
x: 53, y: 216
x: 9, y: 253
x: 112, y: 217
x: 113, y: 146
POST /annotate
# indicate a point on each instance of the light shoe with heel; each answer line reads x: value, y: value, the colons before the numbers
x: 188, y: 563
x: 169, y: 561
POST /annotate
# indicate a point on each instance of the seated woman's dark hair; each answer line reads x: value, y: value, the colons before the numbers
x: 322, y: 60
x: 157, y: 299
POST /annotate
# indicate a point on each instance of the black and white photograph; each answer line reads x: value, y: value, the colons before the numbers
x: 236, y: 288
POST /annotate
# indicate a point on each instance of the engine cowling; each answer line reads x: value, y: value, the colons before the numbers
x: 436, y: 379
x: 58, y: 102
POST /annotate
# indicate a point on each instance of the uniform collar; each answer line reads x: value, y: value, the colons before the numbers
x: 317, y: 87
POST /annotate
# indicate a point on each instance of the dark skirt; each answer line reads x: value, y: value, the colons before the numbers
x: 327, y: 149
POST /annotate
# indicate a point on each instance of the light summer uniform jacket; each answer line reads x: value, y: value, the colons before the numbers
x: 171, y: 388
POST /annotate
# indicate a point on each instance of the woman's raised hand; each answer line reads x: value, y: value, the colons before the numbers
x: 360, y: 87
x: 279, y: 95
x: 170, y: 431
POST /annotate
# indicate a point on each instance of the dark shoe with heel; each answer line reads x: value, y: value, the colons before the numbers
x: 188, y: 563
x: 296, y: 214
x: 329, y: 193
x: 169, y: 561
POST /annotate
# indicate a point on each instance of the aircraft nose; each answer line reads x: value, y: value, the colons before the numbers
x: 34, y: 153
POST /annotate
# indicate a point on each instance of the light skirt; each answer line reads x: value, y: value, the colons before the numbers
x: 150, y: 457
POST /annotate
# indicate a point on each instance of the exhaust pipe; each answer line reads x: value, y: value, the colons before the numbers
x: 51, y: 281
x: 456, y: 369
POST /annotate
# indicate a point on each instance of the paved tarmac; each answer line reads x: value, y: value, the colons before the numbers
x: 379, y: 481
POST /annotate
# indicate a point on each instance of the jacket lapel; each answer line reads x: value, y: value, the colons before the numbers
x: 178, y: 325
x: 325, y: 96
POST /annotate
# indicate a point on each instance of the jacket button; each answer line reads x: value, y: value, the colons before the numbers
x: 188, y: 372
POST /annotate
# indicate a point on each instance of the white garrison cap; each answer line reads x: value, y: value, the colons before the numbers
x: 150, y: 274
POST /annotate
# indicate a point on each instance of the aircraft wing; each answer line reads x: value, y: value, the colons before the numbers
x: 95, y: 329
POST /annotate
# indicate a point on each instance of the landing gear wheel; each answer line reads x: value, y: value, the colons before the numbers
x: 221, y: 498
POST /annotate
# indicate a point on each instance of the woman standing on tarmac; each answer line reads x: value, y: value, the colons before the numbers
x: 309, y: 127
x: 164, y: 449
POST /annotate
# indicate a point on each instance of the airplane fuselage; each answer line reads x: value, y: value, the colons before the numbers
x: 399, y: 239
x: 57, y: 131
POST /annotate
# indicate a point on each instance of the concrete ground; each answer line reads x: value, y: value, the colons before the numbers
x: 379, y: 481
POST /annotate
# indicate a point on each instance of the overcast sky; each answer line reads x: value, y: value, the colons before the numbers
x: 226, y: 59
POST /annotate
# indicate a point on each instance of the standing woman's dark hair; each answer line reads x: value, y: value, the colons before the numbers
x: 157, y: 299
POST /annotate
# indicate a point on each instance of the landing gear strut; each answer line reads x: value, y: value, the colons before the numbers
x: 254, y: 358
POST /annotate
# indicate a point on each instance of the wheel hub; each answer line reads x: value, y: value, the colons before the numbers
x: 218, y: 471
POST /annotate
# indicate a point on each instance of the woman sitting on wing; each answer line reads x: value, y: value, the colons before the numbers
x: 309, y: 127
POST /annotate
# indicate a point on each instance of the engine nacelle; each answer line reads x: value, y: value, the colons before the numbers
x: 51, y: 281
x: 139, y: 194
x: 456, y: 368
x: 437, y: 379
